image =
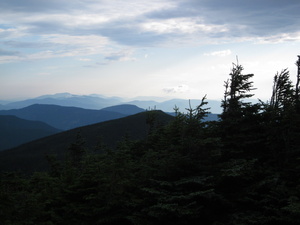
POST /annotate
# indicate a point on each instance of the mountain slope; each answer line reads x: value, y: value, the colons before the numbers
x: 66, y: 118
x: 15, y: 131
x: 31, y: 156
x: 127, y: 109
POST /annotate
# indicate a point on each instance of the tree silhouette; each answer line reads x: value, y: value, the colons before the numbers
x: 237, y: 88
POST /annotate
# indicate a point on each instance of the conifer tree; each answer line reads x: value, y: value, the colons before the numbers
x: 282, y: 118
x: 283, y: 92
x: 76, y: 152
x: 297, y: 91
x: 237, y: 88
x: 239, y: 118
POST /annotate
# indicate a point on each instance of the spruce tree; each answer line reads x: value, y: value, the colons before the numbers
x: 237, y: 88
x: 297, y: 91
x: 239, y: 118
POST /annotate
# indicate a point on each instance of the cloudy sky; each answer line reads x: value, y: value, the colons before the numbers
x: 165, y: 48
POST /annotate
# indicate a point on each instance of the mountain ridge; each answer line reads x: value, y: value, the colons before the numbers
x: 95, y: 101
x: 15, y: 131
x: 69, y: 117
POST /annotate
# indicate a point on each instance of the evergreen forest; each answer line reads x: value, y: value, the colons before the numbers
x: 243, y: 169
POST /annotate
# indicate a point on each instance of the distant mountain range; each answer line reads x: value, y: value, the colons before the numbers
x: 100, y: 102
x: 15, y: 131
x: 66, y: 99
x: 65, y: 118
x: 31, y: 156
x: 60, y: 117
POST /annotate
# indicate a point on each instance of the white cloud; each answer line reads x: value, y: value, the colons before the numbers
x: 219, y: 53
x: 64, y: 46
x: 8, y: 59
x: 11, y: 33
x: 77, y: 40
x: 182, y: 25
x: 119, y: 9
x: 279, y: 38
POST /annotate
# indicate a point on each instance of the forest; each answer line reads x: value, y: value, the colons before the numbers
x: 242, y: 169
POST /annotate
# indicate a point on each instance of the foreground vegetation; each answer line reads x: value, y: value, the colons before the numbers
x: 242, y: 169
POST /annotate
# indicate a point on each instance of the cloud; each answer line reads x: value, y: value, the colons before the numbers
x: 177, y: 89
x: 249, y: 20
x: 289, y: 37
x: 35, y: 6
x: 84, y: 59
x: 255, y: 15
x: 252, y: 18
x: 4, y: 52
x: 28, y: 44
x: 124, y: 55
x: 182, y: 25
x: 57, y: 46
x: 219, y: 53
x: 10, y: 33
x: 72, y: 27
x: 112, y: 57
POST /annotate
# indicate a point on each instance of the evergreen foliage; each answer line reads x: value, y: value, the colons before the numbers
x: 243, y: 169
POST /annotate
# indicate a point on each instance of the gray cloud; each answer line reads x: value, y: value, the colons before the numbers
x: 48, y: 27
x: 38, y: 6
x: 4, y: 52
x: 248, y: 18
x: 23, y: 44
x: 256, y: 16
x: 113, y: 58
x: 129, y: 35
x: 123, y: 55
x: 178, y: 21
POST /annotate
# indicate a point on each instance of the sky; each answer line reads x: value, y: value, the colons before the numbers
x: 159, y: 48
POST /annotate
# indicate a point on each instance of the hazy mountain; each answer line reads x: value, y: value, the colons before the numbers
x: 98, y: 102
x: 31, y: 156
x: 146, y: 104
x: 66, y: 99
x: 211, y: 117
x: 15, y: 131
x: 182, y: 104
x: 65, y: 118
x: 2, y: 102
x: 126, y: 109
x: 57, y: 96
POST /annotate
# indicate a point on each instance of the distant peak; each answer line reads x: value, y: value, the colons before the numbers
x: 57, y: 95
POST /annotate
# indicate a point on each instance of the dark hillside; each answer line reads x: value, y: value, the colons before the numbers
x: 15, y: 131
x: 63, y: 117
x: 31, y: 156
